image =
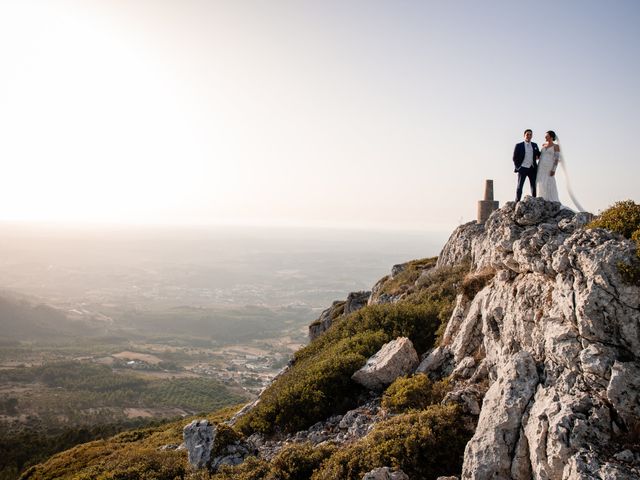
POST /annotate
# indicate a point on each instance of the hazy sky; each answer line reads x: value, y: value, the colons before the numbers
x: 369, y: 113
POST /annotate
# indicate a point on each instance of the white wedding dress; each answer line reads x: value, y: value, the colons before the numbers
x: 545, y: 183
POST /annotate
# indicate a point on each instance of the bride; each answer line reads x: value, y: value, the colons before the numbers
x: 547, y: 165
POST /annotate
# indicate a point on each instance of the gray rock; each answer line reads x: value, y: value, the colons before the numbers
x: 233, y: 454
x: 394, y: 359
x: 458, y: 247
x: 625, y: 456
x: 435, y: 361
x: 385, y: 473
x: 198, y: 437
x: 623, y: 391
x: 488, y: 453
x: 355, y: 301
x: 398, y: 269
x: 377, y: 297
x: 326, y: 319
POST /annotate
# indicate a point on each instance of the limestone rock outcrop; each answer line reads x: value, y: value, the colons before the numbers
x: 555, y: 335
x: 198, y: 437
x: 355, y: 301
x: 458, y: 247
x: 396, y: 358
x: 326, y: 319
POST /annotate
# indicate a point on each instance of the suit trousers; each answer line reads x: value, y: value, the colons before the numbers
x: 523, y: 173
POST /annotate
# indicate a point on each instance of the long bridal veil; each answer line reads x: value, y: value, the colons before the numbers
x: 563, y: 164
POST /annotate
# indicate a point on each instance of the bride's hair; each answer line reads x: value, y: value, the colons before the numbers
x: 553, y: 135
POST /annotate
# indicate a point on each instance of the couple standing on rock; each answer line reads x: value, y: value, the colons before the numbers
x: 538, y: 166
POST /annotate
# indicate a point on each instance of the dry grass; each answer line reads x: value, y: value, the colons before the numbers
x: 476, y: 281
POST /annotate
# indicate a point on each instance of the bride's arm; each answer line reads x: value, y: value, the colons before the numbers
x: 556, y: 159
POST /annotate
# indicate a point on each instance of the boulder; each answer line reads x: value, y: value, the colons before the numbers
x: 394, y: 359
x: 198, y: 438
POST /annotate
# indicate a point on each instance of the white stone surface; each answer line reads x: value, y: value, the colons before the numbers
x: 394, y: 359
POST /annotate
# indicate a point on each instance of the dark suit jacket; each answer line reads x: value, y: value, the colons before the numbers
x: 518, y: 155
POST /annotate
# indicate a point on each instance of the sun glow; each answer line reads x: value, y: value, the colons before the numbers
x: 93, y: 128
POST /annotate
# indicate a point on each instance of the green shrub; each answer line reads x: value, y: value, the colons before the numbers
x: 416, y: 392
x: 424, y: 444
x: 404, y: 281
x: 293, y: 462
x: 225, y: 435
x: 251, y: 469
x: 623, y: 218
x: 298, y: 461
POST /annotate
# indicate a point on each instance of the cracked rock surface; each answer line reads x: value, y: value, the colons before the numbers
x: 555, y: 336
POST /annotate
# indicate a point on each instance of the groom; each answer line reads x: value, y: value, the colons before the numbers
x: 524, y: 158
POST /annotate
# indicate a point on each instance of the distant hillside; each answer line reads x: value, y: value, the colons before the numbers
x: 22, y: 319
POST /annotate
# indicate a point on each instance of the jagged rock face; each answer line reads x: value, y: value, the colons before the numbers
x: 556, y: 337
x: 458, y: 248
x: 326, y: 319
x: 355, y: 301
x: 396, y: 358
x: 378, y: 297
x: 198, y: 437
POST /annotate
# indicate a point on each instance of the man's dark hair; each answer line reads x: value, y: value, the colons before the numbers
x: 552, y: 134
x: 528, y: 130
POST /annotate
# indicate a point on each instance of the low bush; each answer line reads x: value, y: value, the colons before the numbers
x: 298, y: 461
x: 405, y: 280
x: 623, y: 218
x: 475, y: 281
x: 415, y: 392
x: 424, y: 444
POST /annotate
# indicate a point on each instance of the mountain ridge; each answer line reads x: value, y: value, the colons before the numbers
x: 529, y: 323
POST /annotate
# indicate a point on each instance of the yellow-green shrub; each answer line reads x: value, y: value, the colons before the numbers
x: 623, y: 218
x: 416, y: 392
x: 423, y: 444
x: 135, y: 454
x: 404, y: 281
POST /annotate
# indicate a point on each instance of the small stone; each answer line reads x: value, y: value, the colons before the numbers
x: 625, y: 456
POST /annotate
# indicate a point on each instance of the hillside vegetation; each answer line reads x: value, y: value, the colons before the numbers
x: 319, y: 382
x: 317, y: 385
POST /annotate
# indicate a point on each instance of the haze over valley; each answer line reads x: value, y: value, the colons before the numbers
x: 112, y: 327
